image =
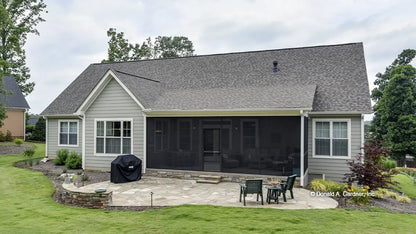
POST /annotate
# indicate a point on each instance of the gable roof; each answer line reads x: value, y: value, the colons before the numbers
x: 329, y: 78
x: 16, y: 99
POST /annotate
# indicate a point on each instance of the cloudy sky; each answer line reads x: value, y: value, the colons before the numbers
x: 74, y: 34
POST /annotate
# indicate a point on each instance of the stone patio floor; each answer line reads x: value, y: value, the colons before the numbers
x: 173, y: 192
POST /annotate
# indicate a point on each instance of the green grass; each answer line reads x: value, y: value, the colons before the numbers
x: 26, y: 206
x: 405, y: 185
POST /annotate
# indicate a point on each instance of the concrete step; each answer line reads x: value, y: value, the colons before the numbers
x: 210, y: 179
x: 215, y: 177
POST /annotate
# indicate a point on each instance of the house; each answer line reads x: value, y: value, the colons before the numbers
x: 271, y: 112
x: 16, y: 108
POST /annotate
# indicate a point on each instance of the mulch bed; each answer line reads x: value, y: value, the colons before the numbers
x: 50, y: 170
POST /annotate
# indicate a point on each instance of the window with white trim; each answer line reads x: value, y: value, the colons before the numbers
x: 113, y: 137
x: 331, y: 138
x: 68, y: 132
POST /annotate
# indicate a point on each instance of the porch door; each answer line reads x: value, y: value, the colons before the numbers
x: 212, y: 149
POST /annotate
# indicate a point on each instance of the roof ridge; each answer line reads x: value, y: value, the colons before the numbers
x: 231, y: 53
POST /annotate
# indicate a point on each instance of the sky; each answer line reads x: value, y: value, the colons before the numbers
x: 74, y: 33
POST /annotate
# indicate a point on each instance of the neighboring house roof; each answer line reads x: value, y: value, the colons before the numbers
x: 33, y: 120
x: 15, y: 99
x: 329, y: 78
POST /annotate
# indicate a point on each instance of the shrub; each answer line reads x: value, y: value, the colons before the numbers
x: 29, y: 128
x: 317, y: 185
x: 39, y: 132
x: 404, y: 199
x: 392, y: 194
x: 61, y: 156
x: 29, y: 153
x: 370, y: 172
x: 8, y: 136
x: 74, y: 161
x: 388, y: 164
x: 2, y: 136
x: 18, y: 141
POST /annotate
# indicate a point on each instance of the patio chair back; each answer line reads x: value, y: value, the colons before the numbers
x: 254, y: 186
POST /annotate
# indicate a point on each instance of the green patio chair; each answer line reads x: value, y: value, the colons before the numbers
x: 253, y: 186
x: 286, y: 185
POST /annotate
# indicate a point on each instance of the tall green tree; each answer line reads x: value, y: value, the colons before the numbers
x: 18, y: 19
x: 120, y: 50
x: 377, y: 129
x: 397, y: 111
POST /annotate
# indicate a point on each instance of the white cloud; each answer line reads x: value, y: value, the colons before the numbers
x: 74, y: 34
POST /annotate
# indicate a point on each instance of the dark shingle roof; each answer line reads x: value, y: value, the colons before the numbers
x: 325, y: 78
x: 16, y: 98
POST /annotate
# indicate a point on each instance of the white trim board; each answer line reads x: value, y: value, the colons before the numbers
x: 59, y: 132
x: 330, y: 132
x: 113, y: 119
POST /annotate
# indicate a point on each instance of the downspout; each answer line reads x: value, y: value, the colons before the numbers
x: 46, y: 137
x: 144, y: 142
x: 24, y: 124
x: 82, y: 116
x: 302, y: 153
x: 362, y: 137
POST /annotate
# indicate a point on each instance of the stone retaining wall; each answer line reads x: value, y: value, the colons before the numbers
x: 225, y: 177
x: 90, y: 200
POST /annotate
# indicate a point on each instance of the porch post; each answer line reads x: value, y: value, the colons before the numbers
x: 302, y: 149
x: 83, y: 141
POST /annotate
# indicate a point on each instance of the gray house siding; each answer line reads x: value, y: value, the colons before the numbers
x: 53, y: 137
x: 112, y: 103
x: 333, y: 169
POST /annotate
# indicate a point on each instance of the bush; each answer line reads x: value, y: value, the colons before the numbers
x: 29, y: 129
x: 18, y: 141
x: 370, y: 173
x: 388, y: 164
x: 61, y: 156
x: 39, y: 132
x: 29, y: 153
x: 2, y: 136
x: 74, y: 161
x: 8, y: 136
x: 392, y: 194
x: 323, y: 185
x: 403, y: 199
x: 359, y: 195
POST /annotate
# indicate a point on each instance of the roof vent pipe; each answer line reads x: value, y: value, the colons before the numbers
x: 275, y: 69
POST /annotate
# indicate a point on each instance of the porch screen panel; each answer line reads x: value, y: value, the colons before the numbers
x: 248, y: 145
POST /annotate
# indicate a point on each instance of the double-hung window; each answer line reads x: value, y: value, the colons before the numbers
x: 68, y: 132
x: 113, y: 137
x: 331, y: 138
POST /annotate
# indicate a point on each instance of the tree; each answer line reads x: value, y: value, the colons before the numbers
x: 39, y: 133
x: 367, y: 169
x: 397, y: 110
x: 120, y: 50
x: 377, y: 129
x: 18, y: 18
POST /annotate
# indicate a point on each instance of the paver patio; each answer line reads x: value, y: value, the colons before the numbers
x: 173, y: 192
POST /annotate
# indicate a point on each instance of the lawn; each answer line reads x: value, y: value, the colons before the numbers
x: 26, y: 206
x: 405, y: 185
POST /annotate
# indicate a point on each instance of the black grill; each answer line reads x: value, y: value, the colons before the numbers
x: 126, y: 168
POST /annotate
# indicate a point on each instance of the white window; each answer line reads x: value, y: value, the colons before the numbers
x: 113, y: 137
x: 68, y: 132
x: 331, y: 138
